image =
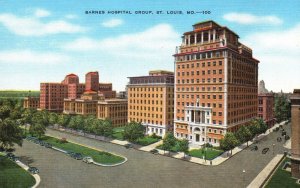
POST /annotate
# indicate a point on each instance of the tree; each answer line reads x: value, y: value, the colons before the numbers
x: 184, y: 146
x: 10, y: 133
x: 4, y: 112
x: 169, y: 141
x: 262, y: 126
x: 134, y: 131
x: 53, y: 118
x: 282, y: 108
x: 37, y: 128
x: 108, y: 129
x: 243, y: 135
x: 64, y: 120
x: 229, y: 142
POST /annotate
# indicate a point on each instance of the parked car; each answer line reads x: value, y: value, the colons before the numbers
x: 33, y: 170
x: 77, y: 156
x: 10, y: 155
x: 88, y: 160
x: 15, y: 158
x: 154, y: 151
x: 254, y: 148
x: 265, y: 150
x: 286, y: 137
x: 70, y: 153
x: 279, y: 139
x: 127, y: 146
x: 47, y: 145
x: 42, y: 143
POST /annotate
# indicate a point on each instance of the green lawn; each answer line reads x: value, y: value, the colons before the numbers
x: 210, y: 153
x: 11, y: 175
x: 282, y: 178
x: 173, y: 149
x: 98, y: 156
x: 118, y: 133
x: 147, y: 140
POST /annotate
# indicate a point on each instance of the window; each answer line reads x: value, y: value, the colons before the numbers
x: 220, y: 71
x: 220, y: 63
x: 220, y: 96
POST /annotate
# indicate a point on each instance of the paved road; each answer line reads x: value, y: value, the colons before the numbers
x: 144, y: 169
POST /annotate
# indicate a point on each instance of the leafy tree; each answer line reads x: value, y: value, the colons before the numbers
x: 169, y: 141
x: 10, y: 133
x: 53, y: 118
x: 108, y: 129
x: 134, y: 131
x: 243, y: 134
x: 262, y: 126
x: 64, y: 120
x: 254, y: 127
x: 184, y: 146
x: 282, y: 108
x: 37, y: 128
x: 4, y: 112
x: 229, y: 142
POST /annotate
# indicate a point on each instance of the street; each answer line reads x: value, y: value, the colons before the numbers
x: 144, y: 169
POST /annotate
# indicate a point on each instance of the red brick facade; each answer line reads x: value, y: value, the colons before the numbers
x: 52, y: 95
x: 215, y: 84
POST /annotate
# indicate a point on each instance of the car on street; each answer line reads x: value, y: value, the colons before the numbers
x: 127, y: 146
x: 154, y: 151
x: 33, y: 170
x: 47, y: 145
x: 265, y: 150
x: 77, y: 156
x: 10, y: 155
x: 254, y: 148
x: 88, y: 160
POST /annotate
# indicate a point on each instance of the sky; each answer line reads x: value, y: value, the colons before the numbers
x: 42, y: 41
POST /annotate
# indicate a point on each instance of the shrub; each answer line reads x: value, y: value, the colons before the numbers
x: 63, y: 140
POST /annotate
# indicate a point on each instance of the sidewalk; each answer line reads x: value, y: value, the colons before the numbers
x: 262, y: 177
x: 180, y: 155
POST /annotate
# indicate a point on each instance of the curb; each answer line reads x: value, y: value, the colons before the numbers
x: 99, y: 164
x: 25, y: 167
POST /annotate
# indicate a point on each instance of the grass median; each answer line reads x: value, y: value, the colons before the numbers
x: 282, y: 178
x: 210, y: 153
x: 101, y: 157
x: 12, y: 175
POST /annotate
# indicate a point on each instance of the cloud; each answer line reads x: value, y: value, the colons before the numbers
x: 278, y: 52
x: 112, y: 23
x: 71, y: 16
x: 156, y: 42
x: 41, y: 13
x: 248, y: 19
x: 32, y: 57
x: 26, y: 26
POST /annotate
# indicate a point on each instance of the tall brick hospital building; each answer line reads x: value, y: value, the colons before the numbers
x: 216, y: 80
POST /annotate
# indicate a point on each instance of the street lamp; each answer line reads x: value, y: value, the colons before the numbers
x: 244, y: 172
x: 273, y: 148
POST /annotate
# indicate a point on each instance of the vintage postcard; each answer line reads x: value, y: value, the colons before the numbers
x: 149, y: 93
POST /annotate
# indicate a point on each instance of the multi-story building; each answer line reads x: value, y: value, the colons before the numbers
x: 295, y: 138
x: 31, y: 102
x: 265, y: 105
x: 215, y: 84
x: 151, y: 101
x: 53, y: 94
x: 85, y: 105
x: 113, y: 109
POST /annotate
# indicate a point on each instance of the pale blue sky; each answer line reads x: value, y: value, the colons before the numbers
x: 45, y: 40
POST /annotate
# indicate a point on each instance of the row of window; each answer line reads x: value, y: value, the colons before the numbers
x: 208, y: 80
x: 208, y: 88
x: 203, y: 72
x: 133, y: 107
x: 149, y: 89
x: 153, y: 102
x: 203, y: 64
x: 149, y: 95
